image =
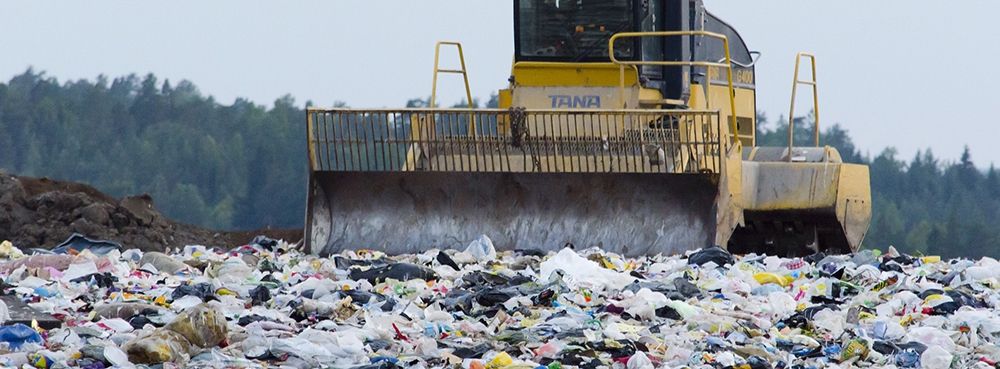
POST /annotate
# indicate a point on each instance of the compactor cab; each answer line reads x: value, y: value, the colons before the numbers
x: 627, y: 125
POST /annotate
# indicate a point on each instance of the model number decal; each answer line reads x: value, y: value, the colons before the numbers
x: 571, y: 101
x: 740, y: 76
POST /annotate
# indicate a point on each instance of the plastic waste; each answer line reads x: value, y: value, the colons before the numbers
x: 766, y: 278
x: 758, y: 362
x: 79, y: 270
x: 936, y: 357
x: 264, y: 243
x: 40, y: 361
x: 397, y: 271
x: 908, y: 359
x: 930, y: 336
x: 864, y: 257
x: 199, y: 290
x: 78, y: 242
x: 277, y: 307
x: 550, y: 349
x: 482, y: 249
x: 4, y: 312
x: 101, y: 280
x: 715, y: 254
x: 233, y: 270
x: 17, y: 335
x: 199, y: 327
x: 574, y: 267
x: 55, y: 262
x: 115, y: 356
x: 499, y: 361
x: 13, y: 360
x: 260, y: 295
x: 8, y: 251
x: 857, y: 348
x: 686, y: 288
x: 444, y: 259
x: 639, y: 360
x: 683, y: 309
x: 123, y: 310
x: 766, y: 289
x: 162, y: 262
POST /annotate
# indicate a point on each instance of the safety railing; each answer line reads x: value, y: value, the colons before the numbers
x: 514, y: 140
x: 791, y: 110
x: 734, y: 128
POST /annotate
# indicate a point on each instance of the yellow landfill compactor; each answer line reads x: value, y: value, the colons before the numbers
x: 627, y: 125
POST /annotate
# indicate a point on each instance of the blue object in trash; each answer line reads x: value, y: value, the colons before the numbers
x: 908, y: 359
x: 19, y: 334
x: 78, y: 243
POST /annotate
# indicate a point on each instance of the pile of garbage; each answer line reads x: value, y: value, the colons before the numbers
x: 268, y: 305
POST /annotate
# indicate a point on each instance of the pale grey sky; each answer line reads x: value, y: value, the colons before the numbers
x: 908, y: 74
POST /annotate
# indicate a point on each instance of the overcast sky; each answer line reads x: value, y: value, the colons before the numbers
x: 906, y: 74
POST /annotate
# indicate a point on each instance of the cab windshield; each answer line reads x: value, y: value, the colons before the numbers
x: 573, y: 30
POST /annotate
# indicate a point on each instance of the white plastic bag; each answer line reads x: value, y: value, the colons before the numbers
x: 639, y: 360
x: 935, y: 357
x: 482, y: 248
x: 4, y: 312
x: 930, y: 336
x: 580, y: 269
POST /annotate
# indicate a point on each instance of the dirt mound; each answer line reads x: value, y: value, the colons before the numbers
x: 42, y: 213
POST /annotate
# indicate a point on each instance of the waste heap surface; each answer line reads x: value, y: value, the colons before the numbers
x: 267, y: 305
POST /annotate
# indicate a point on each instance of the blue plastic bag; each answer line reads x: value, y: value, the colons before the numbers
x: 18, y: 334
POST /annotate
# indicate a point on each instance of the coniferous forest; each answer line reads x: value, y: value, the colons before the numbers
x: 242, y: 165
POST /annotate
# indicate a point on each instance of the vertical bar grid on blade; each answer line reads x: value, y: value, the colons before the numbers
x: 486, y: 140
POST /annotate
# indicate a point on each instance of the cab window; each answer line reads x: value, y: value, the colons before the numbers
x: 573, y: 30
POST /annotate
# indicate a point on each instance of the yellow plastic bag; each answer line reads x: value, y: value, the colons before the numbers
x: 765, y: 278
x: 501, y: 360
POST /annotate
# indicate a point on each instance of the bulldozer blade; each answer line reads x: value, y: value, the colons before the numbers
x: 404, y: 212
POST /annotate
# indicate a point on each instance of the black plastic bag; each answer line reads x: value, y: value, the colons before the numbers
x: 757, y: 362
x: 492, y: 297
x: 103, y: 280
x: 201, y: 290
x: 400, y: 271
x: 264, y: 243
x: 686, y: 288
x: 260, y: 295
x: 714, y: 254
x: 444, y: 259
x: 668, y: 312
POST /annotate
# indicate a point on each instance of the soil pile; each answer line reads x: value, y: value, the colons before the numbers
x: 42, y: 213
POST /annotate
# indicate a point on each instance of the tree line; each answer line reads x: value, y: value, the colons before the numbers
x: 244, y: 166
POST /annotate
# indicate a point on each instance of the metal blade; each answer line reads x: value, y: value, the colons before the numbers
x: 404, y: 212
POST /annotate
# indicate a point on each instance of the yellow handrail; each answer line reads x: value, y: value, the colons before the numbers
x: 727, y: 65
x: 791, y: 110
x: 463, y: 72
x: 465, y: 75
